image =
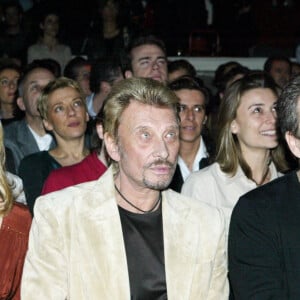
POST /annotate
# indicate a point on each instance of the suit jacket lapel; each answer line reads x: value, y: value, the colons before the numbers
x: 180, y: 246
x: 26, y: 139
x: 105, y: 244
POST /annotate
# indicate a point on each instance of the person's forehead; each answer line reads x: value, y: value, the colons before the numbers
x: 39, y: 75
x: 51, y: 16
x: 7, y: 72
x: 189, y: 95
x: 282, y: 64
x: 148, y: 50
x: 258, y: 96
x: 137, y: 112
x: 63, y: 93
x: 83, y: 70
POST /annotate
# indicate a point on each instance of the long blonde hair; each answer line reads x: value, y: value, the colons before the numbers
x: 6, y: 200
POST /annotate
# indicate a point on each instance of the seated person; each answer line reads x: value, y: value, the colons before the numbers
x: 9, y: 77
x: 264, y: 241
x: 28, y: 135
x: 180, y: 67
x: 48, y: 45
x: 15, y: 221
x: 90, y: 168
x: 127, y: 227
x: 195, y: 143
x: 248, y: 152
x: 279, y: 68
x: 79, y: 69
x: 63, y: 110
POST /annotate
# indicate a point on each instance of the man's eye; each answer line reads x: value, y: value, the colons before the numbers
x: 172, y: 135
x: 181, y: 108
x: 161, y: 61
x: 145, y: 135
x: 144, y: 62
x: 198, y: 108
x: 35, y: 88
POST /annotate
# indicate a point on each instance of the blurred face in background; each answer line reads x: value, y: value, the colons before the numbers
x: 280, y: 72
x: 12, y: 16
x: 8, y: 85
x: 83, y: 78
x: 110, y: 11
x: 50, y: 26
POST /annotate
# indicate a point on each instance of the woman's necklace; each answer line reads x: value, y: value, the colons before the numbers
x: 141, y: 210
x: 264, y: 177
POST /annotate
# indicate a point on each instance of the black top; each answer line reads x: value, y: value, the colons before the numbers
x: 264, y: 242
x: 34, y: 170
x: 143, y: 237
x: 177, y: 180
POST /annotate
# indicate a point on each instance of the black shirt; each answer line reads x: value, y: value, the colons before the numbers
x: 143, y: 237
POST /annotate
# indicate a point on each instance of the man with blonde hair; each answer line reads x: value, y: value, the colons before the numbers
x: 125, y: 236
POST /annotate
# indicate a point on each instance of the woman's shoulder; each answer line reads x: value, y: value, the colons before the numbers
x: 210, y: 171
x: 202, y: 178
x: 19, y: 218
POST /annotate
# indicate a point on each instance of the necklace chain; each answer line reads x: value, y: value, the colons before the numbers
x: 265, y: 176
x: 137, y: 208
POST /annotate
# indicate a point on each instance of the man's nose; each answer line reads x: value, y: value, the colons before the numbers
x: 161, y: 149
x: 155, y: 64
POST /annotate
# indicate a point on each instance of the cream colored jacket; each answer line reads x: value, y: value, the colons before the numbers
x: 76, y: 247
x: 211, y: 185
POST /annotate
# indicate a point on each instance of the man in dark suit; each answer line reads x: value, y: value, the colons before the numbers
x: 194, y: 149
x: 264, y: 239
x: 28, y: 135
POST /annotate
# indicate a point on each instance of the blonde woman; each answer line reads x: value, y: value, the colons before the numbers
x: 64, y: 113
x: 248, y: 154
x: 15, y: 221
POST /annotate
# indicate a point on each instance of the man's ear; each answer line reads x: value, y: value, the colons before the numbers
x: 20, y: 103
x: 111, y: 147
x: 293, y: 143
x: 48, y: 126
x: 128, y: 74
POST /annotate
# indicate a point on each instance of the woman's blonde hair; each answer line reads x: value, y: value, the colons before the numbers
x: 51, y: 87
x: 6, y: 200
x: 229, y: 154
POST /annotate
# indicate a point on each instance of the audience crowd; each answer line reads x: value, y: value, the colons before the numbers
x: 129, y: 169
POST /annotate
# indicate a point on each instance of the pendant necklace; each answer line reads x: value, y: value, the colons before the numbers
x: 139, y: 209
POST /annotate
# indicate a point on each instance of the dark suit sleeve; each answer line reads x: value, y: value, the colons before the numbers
x: 254, y: 250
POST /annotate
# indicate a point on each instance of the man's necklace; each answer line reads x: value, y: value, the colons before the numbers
x: 141, y: 210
